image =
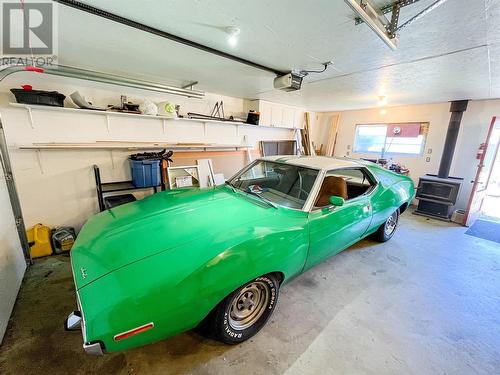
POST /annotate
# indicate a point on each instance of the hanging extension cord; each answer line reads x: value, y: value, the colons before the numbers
x: 304, y: 73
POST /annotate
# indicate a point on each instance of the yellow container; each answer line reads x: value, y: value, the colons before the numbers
x: 39, y: 241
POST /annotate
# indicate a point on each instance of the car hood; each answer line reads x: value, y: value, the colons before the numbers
x: 117, y: 237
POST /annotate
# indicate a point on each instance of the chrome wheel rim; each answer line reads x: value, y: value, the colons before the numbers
x: 249, y: 305
x: 391, y: 224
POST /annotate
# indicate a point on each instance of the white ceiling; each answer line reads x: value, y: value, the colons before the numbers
x: 451, y: 53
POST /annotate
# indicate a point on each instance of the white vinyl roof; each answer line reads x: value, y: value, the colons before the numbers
x: 316, y: 162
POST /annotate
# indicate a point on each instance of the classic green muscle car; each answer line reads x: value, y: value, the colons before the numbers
x: 215, y: 258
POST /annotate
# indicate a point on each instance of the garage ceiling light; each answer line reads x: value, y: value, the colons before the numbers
x: 382, y: 100
x: 232, y: 32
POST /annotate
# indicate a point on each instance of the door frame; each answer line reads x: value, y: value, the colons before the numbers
x: 480, y: 169
x: 13, y: 195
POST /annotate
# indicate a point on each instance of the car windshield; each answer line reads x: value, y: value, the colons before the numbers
x: 281, y: 184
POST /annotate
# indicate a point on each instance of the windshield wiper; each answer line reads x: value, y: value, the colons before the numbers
x: 235, y: 189
x: 265, y: 200
x: 231, y: 186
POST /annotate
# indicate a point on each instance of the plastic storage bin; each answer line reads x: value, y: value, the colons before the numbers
x: 39, y: 240
x: 145, y: 173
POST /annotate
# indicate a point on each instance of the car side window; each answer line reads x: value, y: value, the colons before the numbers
x: 346, y: 183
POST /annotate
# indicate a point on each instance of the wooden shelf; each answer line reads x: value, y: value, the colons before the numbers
x: 31, y: 107
x: 130, y: 146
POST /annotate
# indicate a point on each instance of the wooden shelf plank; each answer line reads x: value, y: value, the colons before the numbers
x: 30, y: 107
x: 128, y: 146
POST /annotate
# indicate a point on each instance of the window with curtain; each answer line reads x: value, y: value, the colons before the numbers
x: 402, y: 138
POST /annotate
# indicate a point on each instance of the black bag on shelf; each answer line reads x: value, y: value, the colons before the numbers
x: 163, y: 154
x: 39, y: 97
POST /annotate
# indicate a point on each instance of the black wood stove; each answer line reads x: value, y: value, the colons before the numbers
x: 438, y: 194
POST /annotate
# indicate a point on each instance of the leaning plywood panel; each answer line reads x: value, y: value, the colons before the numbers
x: 332, y: 135
x: 12, y: 264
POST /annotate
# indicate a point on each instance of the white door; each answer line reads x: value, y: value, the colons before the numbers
x: 299, y: 118
x: 12, y: 264
x: 265, y: 113
x: 277, y: 115
x: 288, y: 117
x: 484, y: 168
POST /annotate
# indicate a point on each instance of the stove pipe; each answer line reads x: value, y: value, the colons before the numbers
x: 457, y: 108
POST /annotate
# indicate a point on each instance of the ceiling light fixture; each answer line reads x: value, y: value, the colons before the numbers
x: 232, y: 38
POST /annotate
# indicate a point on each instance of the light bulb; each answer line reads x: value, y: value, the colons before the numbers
x: 232, y: 38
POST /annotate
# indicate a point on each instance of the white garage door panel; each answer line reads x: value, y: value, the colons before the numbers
x: 12, y: 264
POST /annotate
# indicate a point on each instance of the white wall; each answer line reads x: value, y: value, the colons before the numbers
x: 12, y: 264
x: 473, y: 131
x: 58, y: 188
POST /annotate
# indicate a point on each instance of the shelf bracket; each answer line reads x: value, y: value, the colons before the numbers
x: 39, y: 159
x: 30, y: 114
x: 112, y: 159
x: 108, y: 125
x: 189, y: 85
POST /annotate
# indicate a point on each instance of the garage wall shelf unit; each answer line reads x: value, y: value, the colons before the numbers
x: 283, y: 118
x: 106, y: 188
x: 278, y: 115
x: 58, y: 147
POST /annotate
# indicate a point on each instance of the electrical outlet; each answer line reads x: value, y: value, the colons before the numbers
x: 429, y: 151
x: 427, y: 159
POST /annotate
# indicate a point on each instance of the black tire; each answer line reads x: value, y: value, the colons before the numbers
x: 386, y: 231
x: 257, y: 298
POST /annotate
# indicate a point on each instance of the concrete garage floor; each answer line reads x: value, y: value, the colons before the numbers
x: 426, y: 302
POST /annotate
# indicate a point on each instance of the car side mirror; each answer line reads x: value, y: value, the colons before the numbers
x: 337, y: 201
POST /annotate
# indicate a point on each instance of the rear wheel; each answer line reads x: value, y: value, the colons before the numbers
x: 386, y: 231
x: 245, y: 311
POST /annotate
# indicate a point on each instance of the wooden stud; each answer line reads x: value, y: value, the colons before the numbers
x: 332, y: 135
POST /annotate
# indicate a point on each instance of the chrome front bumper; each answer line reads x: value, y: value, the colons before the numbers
x: 93, y: 349
x: 74, y: 322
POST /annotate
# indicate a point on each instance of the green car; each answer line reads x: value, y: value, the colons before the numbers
x: 215, y: 258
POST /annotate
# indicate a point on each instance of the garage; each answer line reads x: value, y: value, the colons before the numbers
x: 265, y: 187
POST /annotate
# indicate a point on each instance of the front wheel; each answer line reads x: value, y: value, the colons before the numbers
x: 386, y: 231
x: 245, y: 311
